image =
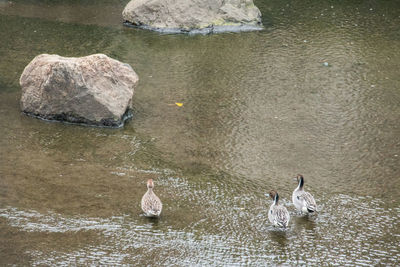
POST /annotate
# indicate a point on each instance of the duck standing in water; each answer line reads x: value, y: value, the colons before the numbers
x: 302, y: 200
x: 151, y: 204
x: 278, y: 214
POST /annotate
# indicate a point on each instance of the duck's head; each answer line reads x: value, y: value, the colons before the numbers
x: 150, y: 184
x: 300, y: 180
x: 274, y: 195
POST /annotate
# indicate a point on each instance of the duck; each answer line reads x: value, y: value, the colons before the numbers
x: 302, y: 200
x: 151, y: 204
x: 278, y: 214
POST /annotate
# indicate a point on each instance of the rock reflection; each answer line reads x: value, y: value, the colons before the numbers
x: 104, y: 15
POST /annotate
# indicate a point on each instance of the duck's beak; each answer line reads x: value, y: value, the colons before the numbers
x: 295, y: 179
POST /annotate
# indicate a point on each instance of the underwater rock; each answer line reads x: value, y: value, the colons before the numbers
x: 94, y: 90
x: 193, y: 16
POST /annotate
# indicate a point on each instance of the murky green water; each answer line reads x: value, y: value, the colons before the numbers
x: 259, y: 108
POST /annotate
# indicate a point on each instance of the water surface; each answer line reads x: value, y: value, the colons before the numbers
x: 316, y: 92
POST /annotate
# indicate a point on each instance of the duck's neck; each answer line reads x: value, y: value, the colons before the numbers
x: 301, y: 184
x: 276, y: 199
x: 150, y: 190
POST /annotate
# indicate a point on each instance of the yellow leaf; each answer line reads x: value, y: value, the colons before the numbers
x: 179, y: 104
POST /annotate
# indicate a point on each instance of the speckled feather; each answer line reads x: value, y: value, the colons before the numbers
x: 307, y: 200
x: 279, y: 215
x: 151, y: 204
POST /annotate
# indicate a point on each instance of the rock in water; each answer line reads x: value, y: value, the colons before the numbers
x: 94, y: 90
x: 196, y: 16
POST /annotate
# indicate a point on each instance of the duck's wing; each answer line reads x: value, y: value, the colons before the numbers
x: 151, y: 205
x: 282, y: 216
x: 308, y: 200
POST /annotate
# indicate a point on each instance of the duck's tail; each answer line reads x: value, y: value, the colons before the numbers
x: 282, y: 224
x: 153, y: 213
x: 311, y: 209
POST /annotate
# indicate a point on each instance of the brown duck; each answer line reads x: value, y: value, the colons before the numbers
x: 151, y: 204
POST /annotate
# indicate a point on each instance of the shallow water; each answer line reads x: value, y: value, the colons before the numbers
x: 316, y: 92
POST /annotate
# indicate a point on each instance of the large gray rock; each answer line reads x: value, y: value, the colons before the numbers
x: 201, y: 16
x: 94, y: 90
